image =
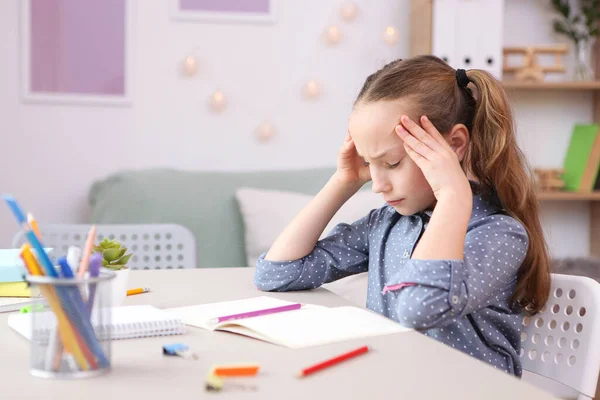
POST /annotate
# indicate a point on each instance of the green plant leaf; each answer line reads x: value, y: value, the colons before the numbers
x: 116, y: 267
x: 121, y: 252
x: 111, y: 254
x: 125, y: 259
x: 561, y: 7
x: 560, y: 28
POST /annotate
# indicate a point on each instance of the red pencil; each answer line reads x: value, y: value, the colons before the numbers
x: 332, y: 361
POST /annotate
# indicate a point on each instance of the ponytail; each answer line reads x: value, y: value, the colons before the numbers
x: 495, y: 160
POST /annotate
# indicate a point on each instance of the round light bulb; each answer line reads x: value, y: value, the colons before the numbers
x: 349, y: 11
x: 265, y: 131
x: 190, y: 66
x: 312, y: 89
x: 391, y: 35
x: 218, y: 102
x: 333, y: 35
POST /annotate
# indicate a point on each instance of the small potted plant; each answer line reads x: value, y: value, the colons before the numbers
x: 580, y: 24
x: 114, y: 257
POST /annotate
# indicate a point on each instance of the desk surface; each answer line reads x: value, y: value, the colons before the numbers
x: 403, y: 366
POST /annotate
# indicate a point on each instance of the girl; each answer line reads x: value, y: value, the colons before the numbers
x: 458, y: 252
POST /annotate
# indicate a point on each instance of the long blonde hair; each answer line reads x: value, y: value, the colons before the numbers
x: 493, y: 158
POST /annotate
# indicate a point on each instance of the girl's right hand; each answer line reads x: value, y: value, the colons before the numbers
x: 351, y: 168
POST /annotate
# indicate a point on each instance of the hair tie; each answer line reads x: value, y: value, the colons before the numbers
x: 462, y: 78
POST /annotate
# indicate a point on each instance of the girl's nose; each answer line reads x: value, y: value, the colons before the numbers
x: 380, y: 184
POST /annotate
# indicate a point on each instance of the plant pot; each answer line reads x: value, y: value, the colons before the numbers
x: 118, y: 287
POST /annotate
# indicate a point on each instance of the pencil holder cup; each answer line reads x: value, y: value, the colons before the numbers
x: 69, y: 333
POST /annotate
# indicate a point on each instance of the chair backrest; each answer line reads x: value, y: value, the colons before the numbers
x: 562, y: 342
x: 154, y: 246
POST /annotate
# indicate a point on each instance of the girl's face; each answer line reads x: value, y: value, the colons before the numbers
x: 393, y: 173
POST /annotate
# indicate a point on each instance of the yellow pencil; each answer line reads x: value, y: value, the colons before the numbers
x: 67, y: 334
x: 131, y: 292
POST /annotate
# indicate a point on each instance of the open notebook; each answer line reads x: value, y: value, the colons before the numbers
x: 311, y: 325
x: 126, y: 322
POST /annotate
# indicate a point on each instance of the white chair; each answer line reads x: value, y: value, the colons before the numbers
x: 561, y: 345
x: 154, y: 246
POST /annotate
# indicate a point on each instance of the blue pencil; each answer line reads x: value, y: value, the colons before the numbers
x: 80, y: 311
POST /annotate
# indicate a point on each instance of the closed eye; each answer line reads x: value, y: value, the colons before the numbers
x: 392, y: 166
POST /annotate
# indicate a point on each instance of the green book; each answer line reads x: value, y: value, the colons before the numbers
x: 582, y: 159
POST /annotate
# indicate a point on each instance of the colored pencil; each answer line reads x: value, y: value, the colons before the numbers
x: 236, y: 370
x: 34, y: 226
x: 131, y: 292
x: 257, y: 313
x: 333, y: 361
x: 87, y: 252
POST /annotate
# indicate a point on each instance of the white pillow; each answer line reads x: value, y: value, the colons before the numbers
x: 267, y: 212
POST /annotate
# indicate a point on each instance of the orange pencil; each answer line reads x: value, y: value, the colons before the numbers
x: 333, y: 361
x: 34, y: 226
x: 236, y: 370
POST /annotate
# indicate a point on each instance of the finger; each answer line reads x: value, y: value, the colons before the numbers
x: 433, y: 132
x: 416, y: 157
x: 419, y: 133
x: 415, y: 144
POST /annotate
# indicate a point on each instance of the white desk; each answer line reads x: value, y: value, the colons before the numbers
x: 401, y: 366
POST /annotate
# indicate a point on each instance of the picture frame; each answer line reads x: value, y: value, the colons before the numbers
x: 245, y: 11
x: 57, y: 66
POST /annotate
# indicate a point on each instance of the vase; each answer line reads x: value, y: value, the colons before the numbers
x: 119, y: 287
x: 583, y: 60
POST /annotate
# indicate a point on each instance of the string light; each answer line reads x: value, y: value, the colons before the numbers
x: 312, y: 89
x: 391, y: 35
x: 349, y: 11
x: 190, y: 66
x: 218, y: 102
x: 265, y: 131
x: 333, y: 35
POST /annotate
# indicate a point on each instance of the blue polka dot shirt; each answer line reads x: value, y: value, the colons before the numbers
x: 462, y: 303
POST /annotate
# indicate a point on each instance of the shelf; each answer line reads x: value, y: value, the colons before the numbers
x: 569, y: 196
x: 583, y: 85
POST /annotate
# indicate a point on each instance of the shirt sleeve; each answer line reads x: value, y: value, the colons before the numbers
x: 344, y: 252
x: 432, y: 293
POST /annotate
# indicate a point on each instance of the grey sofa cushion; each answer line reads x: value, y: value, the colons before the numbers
x: 204, y: 202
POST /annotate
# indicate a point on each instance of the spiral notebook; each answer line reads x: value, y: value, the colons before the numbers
x: 127, y: 322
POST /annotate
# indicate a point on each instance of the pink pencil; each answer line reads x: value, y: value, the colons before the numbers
x: 87, y: 251
x: 258, y: 313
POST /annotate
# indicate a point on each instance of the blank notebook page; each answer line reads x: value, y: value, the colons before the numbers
x: 314, y: 325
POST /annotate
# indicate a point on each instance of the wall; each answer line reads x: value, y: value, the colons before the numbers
x: 261, y: 69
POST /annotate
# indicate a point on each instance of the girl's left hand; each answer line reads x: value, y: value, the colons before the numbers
x: 438, y: 161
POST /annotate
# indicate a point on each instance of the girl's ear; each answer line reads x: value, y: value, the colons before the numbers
x: 458, y: 139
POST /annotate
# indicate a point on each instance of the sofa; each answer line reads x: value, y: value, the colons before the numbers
x: 236, y: 215
x: 233, y: 215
